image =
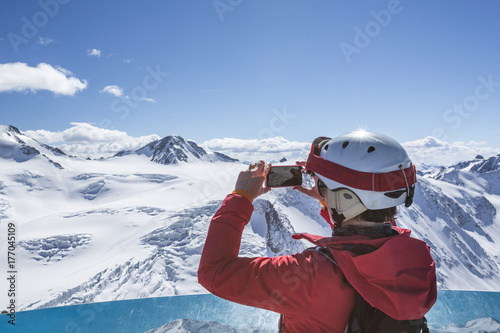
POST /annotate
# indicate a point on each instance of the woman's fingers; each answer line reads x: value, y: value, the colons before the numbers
x: 252, y: 180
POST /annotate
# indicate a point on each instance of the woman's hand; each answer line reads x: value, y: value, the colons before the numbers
x: 252, y: 180
x: 312, y: 192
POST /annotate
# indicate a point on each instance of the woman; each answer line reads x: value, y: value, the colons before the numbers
x: 361, y: 178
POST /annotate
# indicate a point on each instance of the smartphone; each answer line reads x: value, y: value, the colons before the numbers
x: 284, y: 175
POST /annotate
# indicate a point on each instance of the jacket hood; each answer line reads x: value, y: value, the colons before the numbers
x: 398, y: 276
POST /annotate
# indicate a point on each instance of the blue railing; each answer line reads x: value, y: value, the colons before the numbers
x: 141, y: 315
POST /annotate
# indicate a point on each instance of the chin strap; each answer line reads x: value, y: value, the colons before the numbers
x: 336, y: 217
x: 343, y: 204
x: 410, y: 190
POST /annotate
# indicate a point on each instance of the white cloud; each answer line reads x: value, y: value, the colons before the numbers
x: 128, y: 61
x: 269, y: 149
x: 21, y: 77
x: 94, y: 52
x: 113, y: 90
x: 150, y: 100
x: 428, y: 142
x: 118, y: 92
x: 87, y: 140
x: 45, y: 41
x: 435, y: 152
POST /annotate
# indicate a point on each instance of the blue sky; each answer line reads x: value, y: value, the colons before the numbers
x: 254, y: 68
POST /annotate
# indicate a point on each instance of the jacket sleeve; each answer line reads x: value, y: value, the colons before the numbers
x: 280, y: 284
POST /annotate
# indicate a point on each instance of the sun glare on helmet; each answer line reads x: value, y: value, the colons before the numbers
x: 360, y: 134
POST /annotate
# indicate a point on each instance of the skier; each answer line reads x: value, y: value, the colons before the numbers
x: 361, y: 177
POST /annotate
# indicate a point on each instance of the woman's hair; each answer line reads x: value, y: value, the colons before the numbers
x: 379, y: 215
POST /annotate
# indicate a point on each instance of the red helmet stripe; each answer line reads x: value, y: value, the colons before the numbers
x: 369, y: 181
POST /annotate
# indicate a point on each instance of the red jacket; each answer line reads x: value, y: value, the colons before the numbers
x: 309, y: 290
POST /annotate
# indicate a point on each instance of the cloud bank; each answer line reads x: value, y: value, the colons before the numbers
x: 269, y: 149
x: 20, y: 77
x: 86, y: 140
x: 429, y: 150
x: 435, y: 152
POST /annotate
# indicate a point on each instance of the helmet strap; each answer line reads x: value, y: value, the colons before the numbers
x: 318, y: 144
x: 410, y: 190
x: 336, y: 217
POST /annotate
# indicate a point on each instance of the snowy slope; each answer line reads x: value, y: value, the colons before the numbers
x: 91, y: 236
x: 19, y: 147
x: 462, y: 227
x: 455, y: 211
x: 127, y: 227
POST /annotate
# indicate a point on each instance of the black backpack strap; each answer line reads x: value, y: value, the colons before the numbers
x: 353, y: 325
x: 328, y: 255
x: 423, y: 325
x: 325, y: 252
x: 281, y: 328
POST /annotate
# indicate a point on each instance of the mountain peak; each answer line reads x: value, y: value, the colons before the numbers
x: 14, y: 129
x: 174, y: 149
x: 488, y: 165
x: 18, y: 146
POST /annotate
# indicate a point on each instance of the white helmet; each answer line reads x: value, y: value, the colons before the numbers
x: 373, y: 166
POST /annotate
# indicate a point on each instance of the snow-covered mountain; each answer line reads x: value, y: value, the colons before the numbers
x: 127, y: 227
x: 455, y: 211
x: 173, y: 149
x: 20, y: 147
x: 478, y: 171
x: 461, y: 201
